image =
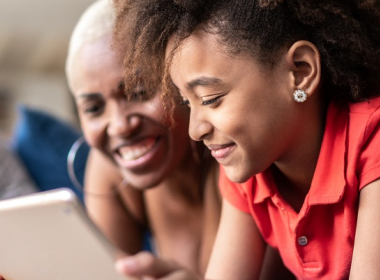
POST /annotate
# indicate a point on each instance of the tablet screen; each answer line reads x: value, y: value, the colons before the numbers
x: 48, y: 236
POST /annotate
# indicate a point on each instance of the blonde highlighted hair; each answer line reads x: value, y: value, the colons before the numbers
x: 96, y: 22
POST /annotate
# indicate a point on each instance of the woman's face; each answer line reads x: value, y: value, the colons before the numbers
x: 246, y: 116
x: 136, y: 135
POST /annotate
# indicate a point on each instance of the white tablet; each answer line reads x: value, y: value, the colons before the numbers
x: 48, y: 236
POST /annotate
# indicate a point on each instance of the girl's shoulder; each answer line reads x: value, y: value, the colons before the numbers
x: 365, y: 117
x: 369, y: 106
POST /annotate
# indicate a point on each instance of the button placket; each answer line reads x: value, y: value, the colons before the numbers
x: 277, y: 201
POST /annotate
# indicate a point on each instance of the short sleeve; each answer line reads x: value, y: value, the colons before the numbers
x: 368, y: 168
x: 233, y: 192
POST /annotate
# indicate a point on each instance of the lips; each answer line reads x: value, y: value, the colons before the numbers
x: 219, y: 152
x: 137, y: 150
x: 137, y: 154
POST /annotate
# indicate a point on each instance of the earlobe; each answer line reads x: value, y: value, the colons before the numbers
x: 305, y: 65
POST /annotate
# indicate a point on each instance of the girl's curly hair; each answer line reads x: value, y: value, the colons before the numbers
x: 346, y: 33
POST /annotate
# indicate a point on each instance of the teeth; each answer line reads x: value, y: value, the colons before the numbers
x: 137, y: 150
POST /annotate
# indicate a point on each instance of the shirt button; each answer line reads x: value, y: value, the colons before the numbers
x: 302, y: 240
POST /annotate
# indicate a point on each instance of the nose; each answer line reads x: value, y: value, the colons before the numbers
x: 199, y: 126
x: 123, y: 123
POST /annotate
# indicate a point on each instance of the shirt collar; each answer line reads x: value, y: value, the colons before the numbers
x: 329, y: 181
x: 329, y: 177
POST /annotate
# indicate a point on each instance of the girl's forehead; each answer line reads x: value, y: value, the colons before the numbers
x: 198, y: 42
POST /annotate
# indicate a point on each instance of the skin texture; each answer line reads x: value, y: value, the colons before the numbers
x: 172, y: 191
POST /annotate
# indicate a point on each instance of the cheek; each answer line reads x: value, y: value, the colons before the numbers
x: 94, y: 132
x: 229, y: 119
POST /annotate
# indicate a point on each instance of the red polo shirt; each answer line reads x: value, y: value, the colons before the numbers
x: 317, y: 242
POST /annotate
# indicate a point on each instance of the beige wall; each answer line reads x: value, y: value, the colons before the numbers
x: 34, y: 36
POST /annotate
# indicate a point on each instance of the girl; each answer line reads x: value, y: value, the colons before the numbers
x: 284, y: 94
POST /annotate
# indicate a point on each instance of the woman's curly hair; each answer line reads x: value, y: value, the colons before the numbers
x: 346, y: 33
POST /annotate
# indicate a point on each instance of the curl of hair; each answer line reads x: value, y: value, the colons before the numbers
x: 190, y: 5
x: 346, y: 33
x: 269, y: 3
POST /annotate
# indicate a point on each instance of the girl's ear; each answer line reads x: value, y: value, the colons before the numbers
x: 305, y: 64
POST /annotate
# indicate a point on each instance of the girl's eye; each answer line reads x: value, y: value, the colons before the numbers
x: 210, y: 101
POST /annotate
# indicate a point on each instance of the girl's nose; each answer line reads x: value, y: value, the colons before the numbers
x: 199, y: 126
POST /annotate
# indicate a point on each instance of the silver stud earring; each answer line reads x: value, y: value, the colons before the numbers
x: 300, y: 95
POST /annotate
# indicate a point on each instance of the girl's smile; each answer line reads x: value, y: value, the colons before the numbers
x: 243, y: 112
x: 230, y: 109
x: 221, y: 152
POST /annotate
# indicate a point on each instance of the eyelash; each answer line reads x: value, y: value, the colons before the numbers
x: 204, y: 103
x: 93, y: 109
x: 211, y: 101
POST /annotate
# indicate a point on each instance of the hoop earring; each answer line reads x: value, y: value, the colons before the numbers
x: 70, y: 163
x: 300, y: 95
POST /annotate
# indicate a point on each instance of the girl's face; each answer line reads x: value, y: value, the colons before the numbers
x: 136, y: 135
x: 246, y: 116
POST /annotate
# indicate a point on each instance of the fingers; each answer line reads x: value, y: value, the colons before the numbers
x: 145, y: 263
x: 146, y: 266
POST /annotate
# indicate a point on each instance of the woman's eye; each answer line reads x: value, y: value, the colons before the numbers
x: 210, y: 101
x: 140, y: 95
x: 185, y: 103
x: 93, y: 109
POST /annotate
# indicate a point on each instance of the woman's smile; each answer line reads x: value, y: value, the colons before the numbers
x: 138, y: 154
x: 136, y: 135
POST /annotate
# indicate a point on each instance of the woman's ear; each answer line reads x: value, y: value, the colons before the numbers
x: 305, y: 64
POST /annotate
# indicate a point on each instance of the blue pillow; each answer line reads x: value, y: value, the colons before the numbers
x: 43, y: 141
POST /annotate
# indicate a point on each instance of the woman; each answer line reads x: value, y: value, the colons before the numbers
x: 144, y: 173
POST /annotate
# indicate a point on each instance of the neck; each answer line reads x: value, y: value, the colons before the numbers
x: 293, y: 173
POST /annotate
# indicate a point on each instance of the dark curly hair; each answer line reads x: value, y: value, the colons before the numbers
x: 346, y: 33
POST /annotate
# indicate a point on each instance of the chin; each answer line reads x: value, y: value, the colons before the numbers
x: 143, y: 182
x: 237, y: 175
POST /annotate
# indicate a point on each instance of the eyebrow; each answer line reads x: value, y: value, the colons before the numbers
x: 204, y: 82
x: 120, y: 84
x: 90, y: 95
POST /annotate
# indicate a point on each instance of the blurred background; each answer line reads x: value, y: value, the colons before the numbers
x: 34, y: 37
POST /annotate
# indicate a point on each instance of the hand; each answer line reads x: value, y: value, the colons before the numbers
x: 1, y: 278
x: 145, y: 266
